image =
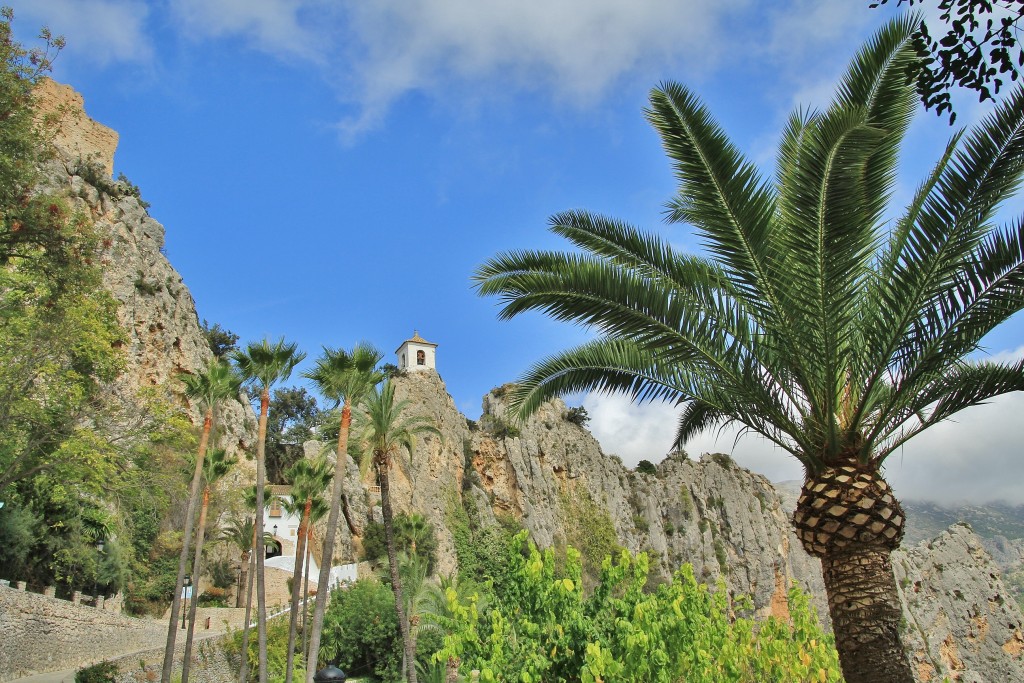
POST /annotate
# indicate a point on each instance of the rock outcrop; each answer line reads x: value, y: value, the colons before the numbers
x: 156, y: 310
x: 550, y: 476
x: 961, y: 623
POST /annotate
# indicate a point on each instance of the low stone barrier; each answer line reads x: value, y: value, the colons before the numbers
x: 42, y: 633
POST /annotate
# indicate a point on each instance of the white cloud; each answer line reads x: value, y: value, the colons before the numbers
x: 976, y: 457
x: 100, y: 32
x: 283, y: 28
x: 575, y: 49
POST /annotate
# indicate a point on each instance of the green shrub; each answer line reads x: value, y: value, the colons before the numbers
x: 544, y: 629
x: 578, y: 416
x: 361, y: 631
x: 646, y: 467
x: 104, y: 672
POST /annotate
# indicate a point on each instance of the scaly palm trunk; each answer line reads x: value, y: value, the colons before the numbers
x: 396, y: 581
x: 305, y: 590
x: 197, y: 566
x: 243, y: 671
x: 243, y: 578
x: 848, y: 517
x: 293, y: 617
x: 323, y: 590
x: 261, y: 555
x: 190, y: 518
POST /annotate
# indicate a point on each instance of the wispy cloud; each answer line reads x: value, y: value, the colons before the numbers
x: 99, y: 32
x: 286, y: 29
x: 975, y: 457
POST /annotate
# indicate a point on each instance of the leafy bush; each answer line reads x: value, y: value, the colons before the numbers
x: 408, y: 528
x: 104, y: 672
x: 646, y: 467
x: 361, y: 631
x: 723, y: 459
x: 578, y: 416
x: 222, y: 573
x: 544, y: 629
x: 499, y: 428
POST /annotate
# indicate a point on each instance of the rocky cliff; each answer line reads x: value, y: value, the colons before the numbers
x: 156, y: 310
x: 550, y: 476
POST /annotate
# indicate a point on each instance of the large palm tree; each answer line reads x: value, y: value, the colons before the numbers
x: 216, y: 465
x: 386, y: 430
x: 309, y: 479
x: 264, y: 364
x: 813, y: 320
x: 206, y: 389
x: 345, y: 378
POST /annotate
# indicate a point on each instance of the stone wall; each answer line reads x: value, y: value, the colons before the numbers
x: 42, y: 633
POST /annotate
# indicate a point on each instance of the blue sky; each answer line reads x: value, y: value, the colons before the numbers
x: 333, y: 171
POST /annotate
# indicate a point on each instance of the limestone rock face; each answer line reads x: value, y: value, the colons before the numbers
x: 77, y: 136
x: 961, y: 621
x: 156, y: 310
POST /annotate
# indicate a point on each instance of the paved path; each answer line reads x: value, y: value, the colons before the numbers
x: 69, y: 676
x: 51, y: 677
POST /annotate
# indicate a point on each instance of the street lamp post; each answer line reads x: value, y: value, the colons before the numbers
x: 184, y: 606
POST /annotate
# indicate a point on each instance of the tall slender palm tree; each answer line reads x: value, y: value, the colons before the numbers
x: 309, y: 479
x: 263, y: 364
x: 385, y: 430
x: 317, y: 512
x: 250, y: 568
x: 345, y: 378
x: 813, y: 320
x: 206, y: 389
x: 216, y: 465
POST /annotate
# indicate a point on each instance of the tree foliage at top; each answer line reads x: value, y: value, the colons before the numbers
x: 30, y: 224
x: 977, y: 48
x: 223, y: 342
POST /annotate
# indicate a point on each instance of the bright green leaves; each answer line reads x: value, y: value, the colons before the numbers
x: 543, y: 629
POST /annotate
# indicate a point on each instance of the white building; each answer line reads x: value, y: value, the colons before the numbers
x: 417, y: 354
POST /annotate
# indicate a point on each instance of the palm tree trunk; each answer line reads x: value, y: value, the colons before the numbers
x: 305, y: 590
x: 196, y: 569
x: 243, y: 672
x: 865, y: 608
x: 323, y: 590
x: 190, y: 514
x: 452, y: 670
x: 396, y: 581
x: 293, y: 616
x: 261, y: 555
x: 242, y: 598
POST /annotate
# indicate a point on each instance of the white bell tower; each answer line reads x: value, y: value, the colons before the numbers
x: 417, y: 354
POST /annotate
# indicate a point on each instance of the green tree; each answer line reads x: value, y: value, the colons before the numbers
x: 385, y: 431
x: 813, y: 321
x: 32, y: 224
x: 345, y: 378
x: 263, y: 364
x: 309, y: 479
x: 413, y: 535
x: 219, y: 382
x: 979, y: 50
x: 293, y: 418
x: 223, y: 342
x: 215, y: 467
